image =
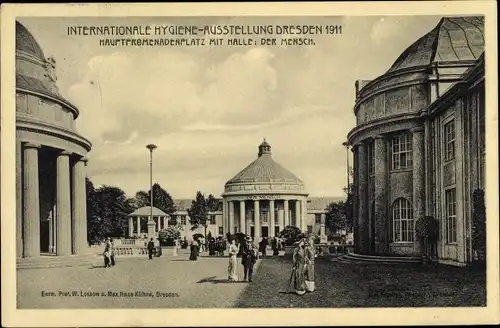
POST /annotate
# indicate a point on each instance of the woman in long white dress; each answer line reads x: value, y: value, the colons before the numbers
x: 233, y: 250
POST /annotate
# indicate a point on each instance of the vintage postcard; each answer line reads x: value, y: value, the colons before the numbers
x: 249, y: 164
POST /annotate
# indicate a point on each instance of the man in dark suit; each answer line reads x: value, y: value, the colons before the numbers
x: 151, y: 248
x: 248, y: 258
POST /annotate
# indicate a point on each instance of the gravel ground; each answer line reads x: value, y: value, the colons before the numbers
x: 371, y: 285
x: 184, y: 284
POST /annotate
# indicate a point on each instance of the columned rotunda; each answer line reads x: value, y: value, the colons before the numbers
x: 264, y: 198
x: 51, y: 158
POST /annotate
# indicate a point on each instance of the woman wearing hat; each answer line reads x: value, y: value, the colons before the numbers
x: 299, y: 266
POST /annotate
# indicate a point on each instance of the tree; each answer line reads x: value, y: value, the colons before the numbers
x: 336, y: 216
x: 290, y: 234
x: 198, y: 212
x: 349, y: 203
x: 162, y: 200
x: 141, y: 199
x: 94, y: 233
x: 212, y: 203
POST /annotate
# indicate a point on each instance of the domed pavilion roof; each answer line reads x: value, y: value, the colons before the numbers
x: 26, y: 42
x: 265, y: 170
x: 146, y: 211
x: 38, y: 83
x: 454, y: 39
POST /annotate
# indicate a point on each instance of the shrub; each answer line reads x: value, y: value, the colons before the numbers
x: 290, y: 234
x: 167, y: 236
x: 479, y: 224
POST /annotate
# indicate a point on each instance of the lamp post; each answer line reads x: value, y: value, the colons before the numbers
x: 346, y: 145
x: 151, y: 223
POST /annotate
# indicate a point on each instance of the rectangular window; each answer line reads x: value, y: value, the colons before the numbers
x: 449, y: 140
x: 212, y: 219
x: 183, y: 219
x: 317, y: 218
x: 401, y: 151
x: 371, y: 159
x: 451, y: 216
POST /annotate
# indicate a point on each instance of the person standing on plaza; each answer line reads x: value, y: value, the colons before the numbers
x: 249, y: 256
x: 107, y: 253
x: 112, y: 252
x: 194, y: 250
x: 233, y: 250
x: 151, y: 247
x: 176, y: 245
x: 310, y: 254
x: 299, y: 267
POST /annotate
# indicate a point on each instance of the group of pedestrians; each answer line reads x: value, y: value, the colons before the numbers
x: 249, y: 256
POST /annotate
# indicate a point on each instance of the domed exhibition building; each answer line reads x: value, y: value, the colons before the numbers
x: 51, y: 157
x: 419, y: 145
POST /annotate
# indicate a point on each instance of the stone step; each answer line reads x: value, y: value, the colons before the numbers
x: 382, y: 259
x: 57, y: 261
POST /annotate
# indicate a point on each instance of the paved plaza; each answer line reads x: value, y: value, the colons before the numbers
x: 202, y: 284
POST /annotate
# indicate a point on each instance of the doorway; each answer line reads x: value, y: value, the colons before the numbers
x: 265, y: 232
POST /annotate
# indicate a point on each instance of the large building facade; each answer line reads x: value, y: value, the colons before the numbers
x: 419, y: 144
x: 51, y: 199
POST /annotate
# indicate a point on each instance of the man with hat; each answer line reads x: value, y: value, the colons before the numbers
x: 249, y: 256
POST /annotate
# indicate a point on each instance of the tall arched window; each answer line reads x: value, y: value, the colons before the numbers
x: 402, y: 221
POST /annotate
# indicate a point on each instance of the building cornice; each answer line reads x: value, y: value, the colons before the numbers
x: 43, y: 128
x: 384, y: 121
x: 61, y: 101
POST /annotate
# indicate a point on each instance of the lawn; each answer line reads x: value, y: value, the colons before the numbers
x: 341, y: 285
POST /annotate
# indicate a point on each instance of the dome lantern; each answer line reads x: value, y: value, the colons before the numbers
x: 264, y: 148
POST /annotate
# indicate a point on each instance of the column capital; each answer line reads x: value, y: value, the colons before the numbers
x: 84, y: 160
x: 417, y: 129
x: 65, y: 153
x: 32, y: 145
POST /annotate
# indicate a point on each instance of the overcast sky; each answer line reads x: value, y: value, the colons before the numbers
x: 208, y: 108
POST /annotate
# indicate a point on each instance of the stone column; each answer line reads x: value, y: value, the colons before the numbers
x: 381, y: 202
x: 63, y: 201
x: 79, y: 202
x: 19, y: 199
x: 151, y: 228
x: 256, y: 210
x: 304, y: 214
x: 51, y: 234
x: 286, y: 213
x: 418, y: 178
x: 363, y: 198
x: 130, y: 226
x: 242, y: 217
x: 138, y: 226
x: 31, y: 235
x: 158, y: 223
x: 231, y: 217
x: 322, y: 232
x: 355, y: 224
x: 281, y: 222
x: 298, y: 221
x: 271, y: 218
x: 165, y: 222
